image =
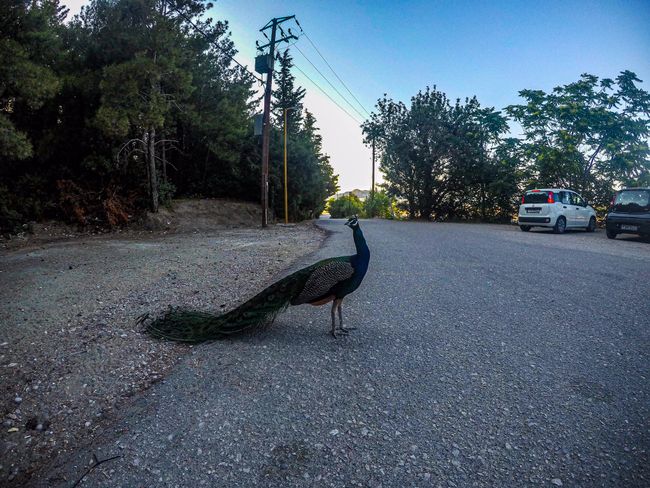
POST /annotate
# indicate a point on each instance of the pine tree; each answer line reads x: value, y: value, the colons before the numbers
x: 286, y: 95
x: 29, y: 46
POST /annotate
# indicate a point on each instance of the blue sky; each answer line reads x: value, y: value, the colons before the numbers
x: 491, y: 49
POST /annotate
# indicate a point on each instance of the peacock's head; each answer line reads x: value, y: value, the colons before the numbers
x: 353, y: 222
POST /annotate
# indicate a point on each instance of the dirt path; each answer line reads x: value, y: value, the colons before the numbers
x: 70, y: 352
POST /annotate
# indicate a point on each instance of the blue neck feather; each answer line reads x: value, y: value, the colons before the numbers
x: 363, y: 253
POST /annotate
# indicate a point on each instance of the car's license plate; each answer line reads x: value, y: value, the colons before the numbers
x: 533, y: 210
x: 629, y: 227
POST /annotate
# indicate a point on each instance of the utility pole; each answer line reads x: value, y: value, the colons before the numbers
x: 372, y: 190
x: 286, y: 183
x: 286, y: 187
x: 266, y: 133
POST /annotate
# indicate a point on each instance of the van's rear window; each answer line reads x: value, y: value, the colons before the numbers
x: 536, y: 197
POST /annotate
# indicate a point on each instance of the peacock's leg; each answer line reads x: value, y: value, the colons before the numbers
x: 334, y: 305
x: 341, y: 328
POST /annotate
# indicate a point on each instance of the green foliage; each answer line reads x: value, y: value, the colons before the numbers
x: 10, y: 217
x: 439, y: 159
x: 344, y: 206
x: 310, y: 176
x: 28, y: 48
x: 379, y: 205
x: 167, y: 190
x: 588, y: 135
x: 129, y: 104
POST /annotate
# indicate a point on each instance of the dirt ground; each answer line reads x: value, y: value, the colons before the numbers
x: 70, y: 351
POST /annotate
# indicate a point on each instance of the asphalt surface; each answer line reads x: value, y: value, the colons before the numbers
x: 484, y: 356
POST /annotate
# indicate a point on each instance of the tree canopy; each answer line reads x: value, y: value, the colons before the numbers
x: 135, y: 101
x: 587, y: 135
x: 447, y: 160
x: 439, y: 158
x: 132, y: 102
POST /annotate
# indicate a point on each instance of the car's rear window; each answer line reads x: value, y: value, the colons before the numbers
x: 537, y: 197
x: 632, y: 201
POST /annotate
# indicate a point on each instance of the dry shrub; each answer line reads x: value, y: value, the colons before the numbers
x: 118, y: 209
x: 106, y: 208
x: 72, y: 201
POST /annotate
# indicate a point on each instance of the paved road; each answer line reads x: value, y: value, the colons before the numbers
x: 484, y: 357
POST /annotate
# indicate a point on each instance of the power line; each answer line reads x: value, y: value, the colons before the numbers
x: 326, y: 94
x: 332, y: 70
x: 198, y: 29
x: 328, y: 81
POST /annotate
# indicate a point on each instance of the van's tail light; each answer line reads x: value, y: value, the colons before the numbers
x: 611, y: 203
x: 522, y: 198
x: 550, y: 197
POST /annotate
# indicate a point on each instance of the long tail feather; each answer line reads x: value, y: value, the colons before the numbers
x: 184, y: 325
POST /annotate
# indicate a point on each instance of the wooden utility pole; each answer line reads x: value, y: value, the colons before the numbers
x: 372, y: 191
x: 286, y: 184
x: 372, y: 188
x: 266, y: 132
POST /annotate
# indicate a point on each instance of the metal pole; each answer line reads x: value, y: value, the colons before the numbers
x: 266, y: 132
x: 372, y: 189
x: 286, y: 189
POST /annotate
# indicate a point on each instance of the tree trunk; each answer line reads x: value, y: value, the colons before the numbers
x: 151, y: 165
x: 164, y: 161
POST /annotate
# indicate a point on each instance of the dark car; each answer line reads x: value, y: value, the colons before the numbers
x: 629, y: 213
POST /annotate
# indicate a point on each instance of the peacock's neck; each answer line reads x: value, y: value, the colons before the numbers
x: 360, y: 243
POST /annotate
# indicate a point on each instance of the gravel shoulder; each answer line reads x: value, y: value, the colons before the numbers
x: 70, y: 353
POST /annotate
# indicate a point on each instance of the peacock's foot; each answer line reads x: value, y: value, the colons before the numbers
x: 341, y: 330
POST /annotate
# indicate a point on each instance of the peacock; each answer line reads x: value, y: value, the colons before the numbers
x: 329, y: 280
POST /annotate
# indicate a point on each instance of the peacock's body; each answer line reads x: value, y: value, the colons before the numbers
x: 329, y: 280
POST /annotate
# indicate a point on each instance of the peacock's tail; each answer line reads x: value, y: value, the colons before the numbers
x: 184, y: 325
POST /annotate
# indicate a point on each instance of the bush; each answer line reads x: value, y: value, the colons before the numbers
x: 344, y: 206
x: 378, y: 205
x: 10, y: 218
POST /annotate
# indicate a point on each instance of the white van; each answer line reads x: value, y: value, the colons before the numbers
x: 556, y: 208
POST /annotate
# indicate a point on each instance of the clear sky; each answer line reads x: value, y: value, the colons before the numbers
x: 491, y: 49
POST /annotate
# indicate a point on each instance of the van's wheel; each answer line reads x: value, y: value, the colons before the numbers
x: 560, y: 225
x: 592, y: 224
x: 524, y: 228
x: 611, y: 234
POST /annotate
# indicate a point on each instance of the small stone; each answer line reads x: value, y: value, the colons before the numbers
x: 455, y: 452
x: 556, y: 481
x: 427, y: 476
x: 170, y: 437
x: 87, y: 424
x: 508, y: 446
x: 364, y: 431
x: 12, y: 365
x: 334, y: 432
x: 455, y: 462
x: 18, y: 400
x: 136, y: 462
